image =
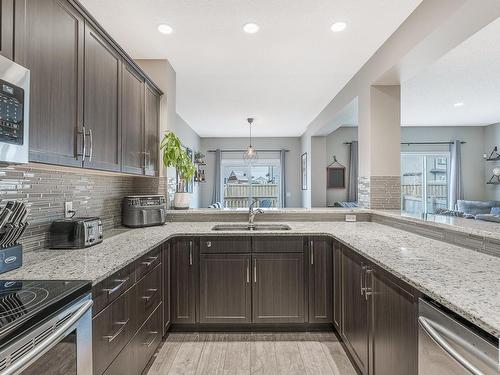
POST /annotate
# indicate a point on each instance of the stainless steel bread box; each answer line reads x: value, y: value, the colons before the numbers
x: 144, y: 210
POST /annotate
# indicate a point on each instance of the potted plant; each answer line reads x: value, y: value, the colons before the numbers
x: 175, y: 156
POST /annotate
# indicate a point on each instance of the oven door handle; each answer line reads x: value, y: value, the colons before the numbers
x: 50, y: 340
x: 429, y: 329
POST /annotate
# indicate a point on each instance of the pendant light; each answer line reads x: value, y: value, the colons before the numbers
x: 250, y: 153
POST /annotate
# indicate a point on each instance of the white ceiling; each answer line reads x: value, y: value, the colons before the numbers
x: 470, y: 74
x: 283, y: 76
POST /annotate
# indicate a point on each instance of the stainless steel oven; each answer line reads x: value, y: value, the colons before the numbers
x: 447, y: 346
x: 14, y: 112
x: 60, y: 345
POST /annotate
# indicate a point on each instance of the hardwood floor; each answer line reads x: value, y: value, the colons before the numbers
x: 310, y: 353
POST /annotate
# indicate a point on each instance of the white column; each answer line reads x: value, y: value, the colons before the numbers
x: 379, y: 134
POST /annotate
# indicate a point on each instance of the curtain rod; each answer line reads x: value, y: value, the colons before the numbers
x: 245, y: 150
x: 420, y: 143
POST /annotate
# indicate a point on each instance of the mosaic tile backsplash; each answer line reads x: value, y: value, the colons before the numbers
x: 46, y: 190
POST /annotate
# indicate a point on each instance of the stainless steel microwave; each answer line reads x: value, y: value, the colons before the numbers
x: 14, y: 112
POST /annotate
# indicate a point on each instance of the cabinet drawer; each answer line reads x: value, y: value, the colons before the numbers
x: 225, y: 245
x: 146, y: 341
x: 109, y: 289
x: 112, y: 328
x: 278, y: 244
x: 148, y: 262
x: 148, y: 295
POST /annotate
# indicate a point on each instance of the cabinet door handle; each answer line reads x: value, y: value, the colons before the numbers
x: 311, y: 249
x: 368, y: 290
x: 248, y: 271
x: 190, y: 253
x: 113, y: 290
x: 147, y: 264
x: 91, y: 148
x: 122, y: 325
x: 362, y: 282
x: 255, y: 271
x: 150, y: 342
x: 83, y: 132
x: 153, y: 292
x: 208, y: 243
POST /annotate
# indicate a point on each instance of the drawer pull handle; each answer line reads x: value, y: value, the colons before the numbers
x: 118, y: 332
x: 116, y: 288
x: 150, y: 342
x: 153, y: 292
x: 190, y: 253
x: 152, y: 260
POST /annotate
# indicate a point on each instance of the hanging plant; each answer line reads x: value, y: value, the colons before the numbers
x: 175, y: 156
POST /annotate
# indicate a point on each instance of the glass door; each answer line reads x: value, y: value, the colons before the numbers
x: 424, y: 182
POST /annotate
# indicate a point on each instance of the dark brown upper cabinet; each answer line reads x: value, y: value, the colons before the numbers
x: 225, y: 288
x: 133, y: 153
x: 320, y: 280
x: 50, y: 42
x: 278, y: 288
x: 151, y: 134
x: 102, y: 110
x: 7, y: 28
x: 183, y: 255
x: 355, y: 315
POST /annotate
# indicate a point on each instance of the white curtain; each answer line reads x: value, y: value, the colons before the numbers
x: 456, y: 188
x: 283, y: 177
x: 216, y: 195
x: 352, y: 183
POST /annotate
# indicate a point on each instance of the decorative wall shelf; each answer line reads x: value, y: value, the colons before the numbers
x: 493, y: 183
x: 494, y: 155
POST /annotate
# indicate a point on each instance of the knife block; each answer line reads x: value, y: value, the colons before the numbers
x: 11, y: 257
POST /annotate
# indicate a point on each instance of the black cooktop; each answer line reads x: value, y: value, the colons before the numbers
x: 26, y: 303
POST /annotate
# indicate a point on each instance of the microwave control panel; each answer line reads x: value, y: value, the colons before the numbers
x: 11, y: 113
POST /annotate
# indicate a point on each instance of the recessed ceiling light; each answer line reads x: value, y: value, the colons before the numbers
x: 165, y: 29
x: 338, y: 26
x: 458, y: 104
x: 250, y: 28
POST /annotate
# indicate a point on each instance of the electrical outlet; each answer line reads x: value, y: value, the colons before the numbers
x: 350, y: 218
x: 68, y: 208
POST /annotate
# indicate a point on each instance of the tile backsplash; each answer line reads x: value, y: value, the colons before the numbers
x: 46, y: 189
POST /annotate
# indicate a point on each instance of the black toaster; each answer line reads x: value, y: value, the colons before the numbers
x: 75, y: 233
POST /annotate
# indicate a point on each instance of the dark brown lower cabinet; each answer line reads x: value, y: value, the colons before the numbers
x: 278, y: 288
x: 337, y: 287
x: 320, y: 280
x: 355, y: 324
x: 135, y: 356
x: 183, y: 280
x: 112, y: 329
x: 394, y: 327
x: 166, y: 287
x: 225, y: 288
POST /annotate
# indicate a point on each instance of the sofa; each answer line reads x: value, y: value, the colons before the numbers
x: 480, y: 210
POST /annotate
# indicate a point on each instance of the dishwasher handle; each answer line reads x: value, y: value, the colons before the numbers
x: 429, y: 329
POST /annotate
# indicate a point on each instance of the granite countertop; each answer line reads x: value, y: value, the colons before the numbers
x: 464, y: 280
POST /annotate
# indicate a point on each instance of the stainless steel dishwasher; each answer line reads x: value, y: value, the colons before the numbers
x: 448, y: 347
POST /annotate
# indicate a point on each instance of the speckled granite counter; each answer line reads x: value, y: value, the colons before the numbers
x: 464, y: 280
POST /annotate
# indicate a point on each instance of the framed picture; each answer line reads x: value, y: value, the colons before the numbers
x: 303, y: 170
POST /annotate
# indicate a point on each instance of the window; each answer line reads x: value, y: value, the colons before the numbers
x: 243, y: 183
x: 424, y: 182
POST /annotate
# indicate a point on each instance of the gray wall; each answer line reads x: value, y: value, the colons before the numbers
x: 479, y: 141
x: 165, y: 77
x: 335, y: 146
x: 491, y: 139
x: 294, y: 196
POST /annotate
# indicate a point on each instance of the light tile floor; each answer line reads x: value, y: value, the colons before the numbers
x: 310, y: 353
